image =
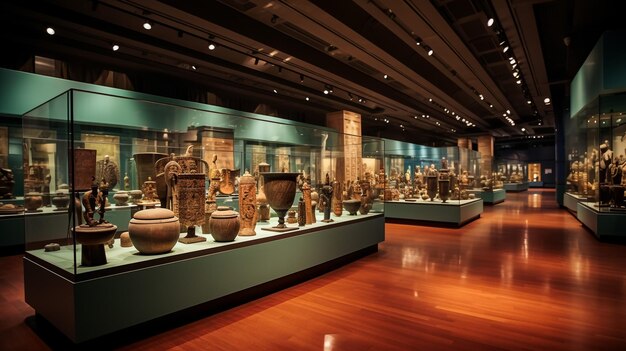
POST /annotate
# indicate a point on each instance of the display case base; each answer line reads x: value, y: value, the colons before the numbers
x: 535, y: 184
x: 515, y: 187
x: 602, y: 224
x: 491, y: 197
x: 570, y: 201
x: 456, y: 213
x: 104, y: 303
x: 280, y: 230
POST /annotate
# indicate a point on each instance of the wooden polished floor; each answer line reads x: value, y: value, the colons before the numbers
x: 525, y: 276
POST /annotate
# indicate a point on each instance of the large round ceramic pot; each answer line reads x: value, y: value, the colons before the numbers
x: 61, y: 201
x: 280, y: 189
x: 33, y: 201
x: 431, y: 187
x: 352, y: 206
x: 92, y: 240
x: 121, y: 198
x: 224, y: 224
x: 154, y: 231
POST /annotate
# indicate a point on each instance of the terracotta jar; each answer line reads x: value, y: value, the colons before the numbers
x: 135, y: 195
x: 33, y: 201
x: 352, y: 206
x: 224, y: 224
x: 154, y: 231
x: 121, y: 198
x: 61, y: 201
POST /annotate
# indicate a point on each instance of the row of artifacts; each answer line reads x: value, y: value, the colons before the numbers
x: 599, y: 175
x: 187, y: 204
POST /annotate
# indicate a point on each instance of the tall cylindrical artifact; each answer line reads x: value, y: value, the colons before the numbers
x: 247, y: 204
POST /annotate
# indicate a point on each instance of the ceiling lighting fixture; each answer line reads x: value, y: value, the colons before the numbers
x: 306, y: 98
x: 515, y: 74
x: 519, y: 81
x: 193, y: 67
x: 481, y: 97
x: 430, y: 100
x: 506, y: 48
x: 491, y: 105
x: 301, y: 78
x: 385, y: 76
x: 429, y: 50
x: 523, y: 129
x: 274, y: 19
x: 547, y: 101
x: 418, y: 41
x: 115, y: 47
x: 212, y: 46
x: 50, y: 30
x: 256, y: 60
x: 529, y: 102
x: 508, y: 112
x: 275, y: 91
x: 490, y: 22
x: 147, y: 25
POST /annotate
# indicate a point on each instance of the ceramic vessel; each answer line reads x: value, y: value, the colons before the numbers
x: 135, y: 195
x: 210, y: 206
x: 263, y: 209
x: 154, y: 231
x: 61, y: 200
x: 121, y: 198
x: 352, y: 206
x: 224, y: 224
x: 247, y: 204
x: 92, y: 240
x: 280, y: 189
x: 33, y: 201
x: 227, y: 182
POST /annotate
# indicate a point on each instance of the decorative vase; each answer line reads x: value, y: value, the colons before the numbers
x: 61, y: 201
x: 224, y: 224
x: 154, y: 231
x: 121, y: 198
x: 352, y: 206
x: 247, y: 204
x: 33, y: 201
x: 280, y: 189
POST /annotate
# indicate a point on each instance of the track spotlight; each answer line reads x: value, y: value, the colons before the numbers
x: 275, y: 91
x: 212, y: 46
x: 418, y: 41
x: 385, y: 76
x: 301, y: 78
x: 115, y: 47
x: 429, y: 50
x: 307, y: 98
x: 147, y: 25
x: 506, y: 48
x: 50, y: 31
x: 280, y: 69
x: 490, y: 22
x: 256, y: 60
x: 274, y: 19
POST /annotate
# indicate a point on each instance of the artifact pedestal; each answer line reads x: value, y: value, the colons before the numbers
x: 191, y: 236
x: 92, y: 240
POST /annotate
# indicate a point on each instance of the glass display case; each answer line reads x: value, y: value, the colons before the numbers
x: 534, y: 175
x: 138, y: 188
x: 439, y: 179
x: 512, y: 174
x: 596, y: 145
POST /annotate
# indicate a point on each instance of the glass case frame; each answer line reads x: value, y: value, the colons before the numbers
x: 156, y: 127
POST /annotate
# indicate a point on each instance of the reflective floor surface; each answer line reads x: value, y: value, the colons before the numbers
x: 525, y: 276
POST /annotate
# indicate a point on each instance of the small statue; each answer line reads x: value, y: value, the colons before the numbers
x: 95, y: 199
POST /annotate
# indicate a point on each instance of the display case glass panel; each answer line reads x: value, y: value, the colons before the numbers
x: 418, y: 173
x: 596, y: 148
x: 511, y: 171
x: 189, y: 160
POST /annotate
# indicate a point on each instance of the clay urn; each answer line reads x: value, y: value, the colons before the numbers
x: 61, y: 200
x: 135, y: 195
x: 224, y: 224
x: 352, y: 206
x: 154, y: 231
x: 33, y: 201
x: 121, y: 198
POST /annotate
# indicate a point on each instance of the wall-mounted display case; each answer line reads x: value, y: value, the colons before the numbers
x: 159, y: 190
x: 430, y: 184
x: 596, y: 145
x: 534, y: 175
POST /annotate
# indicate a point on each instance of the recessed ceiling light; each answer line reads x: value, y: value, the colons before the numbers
x: 211, y: 46
x: 115, y: 47
x: 147, y: 25
x: 508, y: 112
x: 326, y: 91
x: 546, y: 100
x: 506, y: 48
x: 385, y: 76
x: 523, y: 129
x: 50, y: 30
x: 529, y: 102
x: 490, y: 22
x: 275, y: 91
x: 307, y: 98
